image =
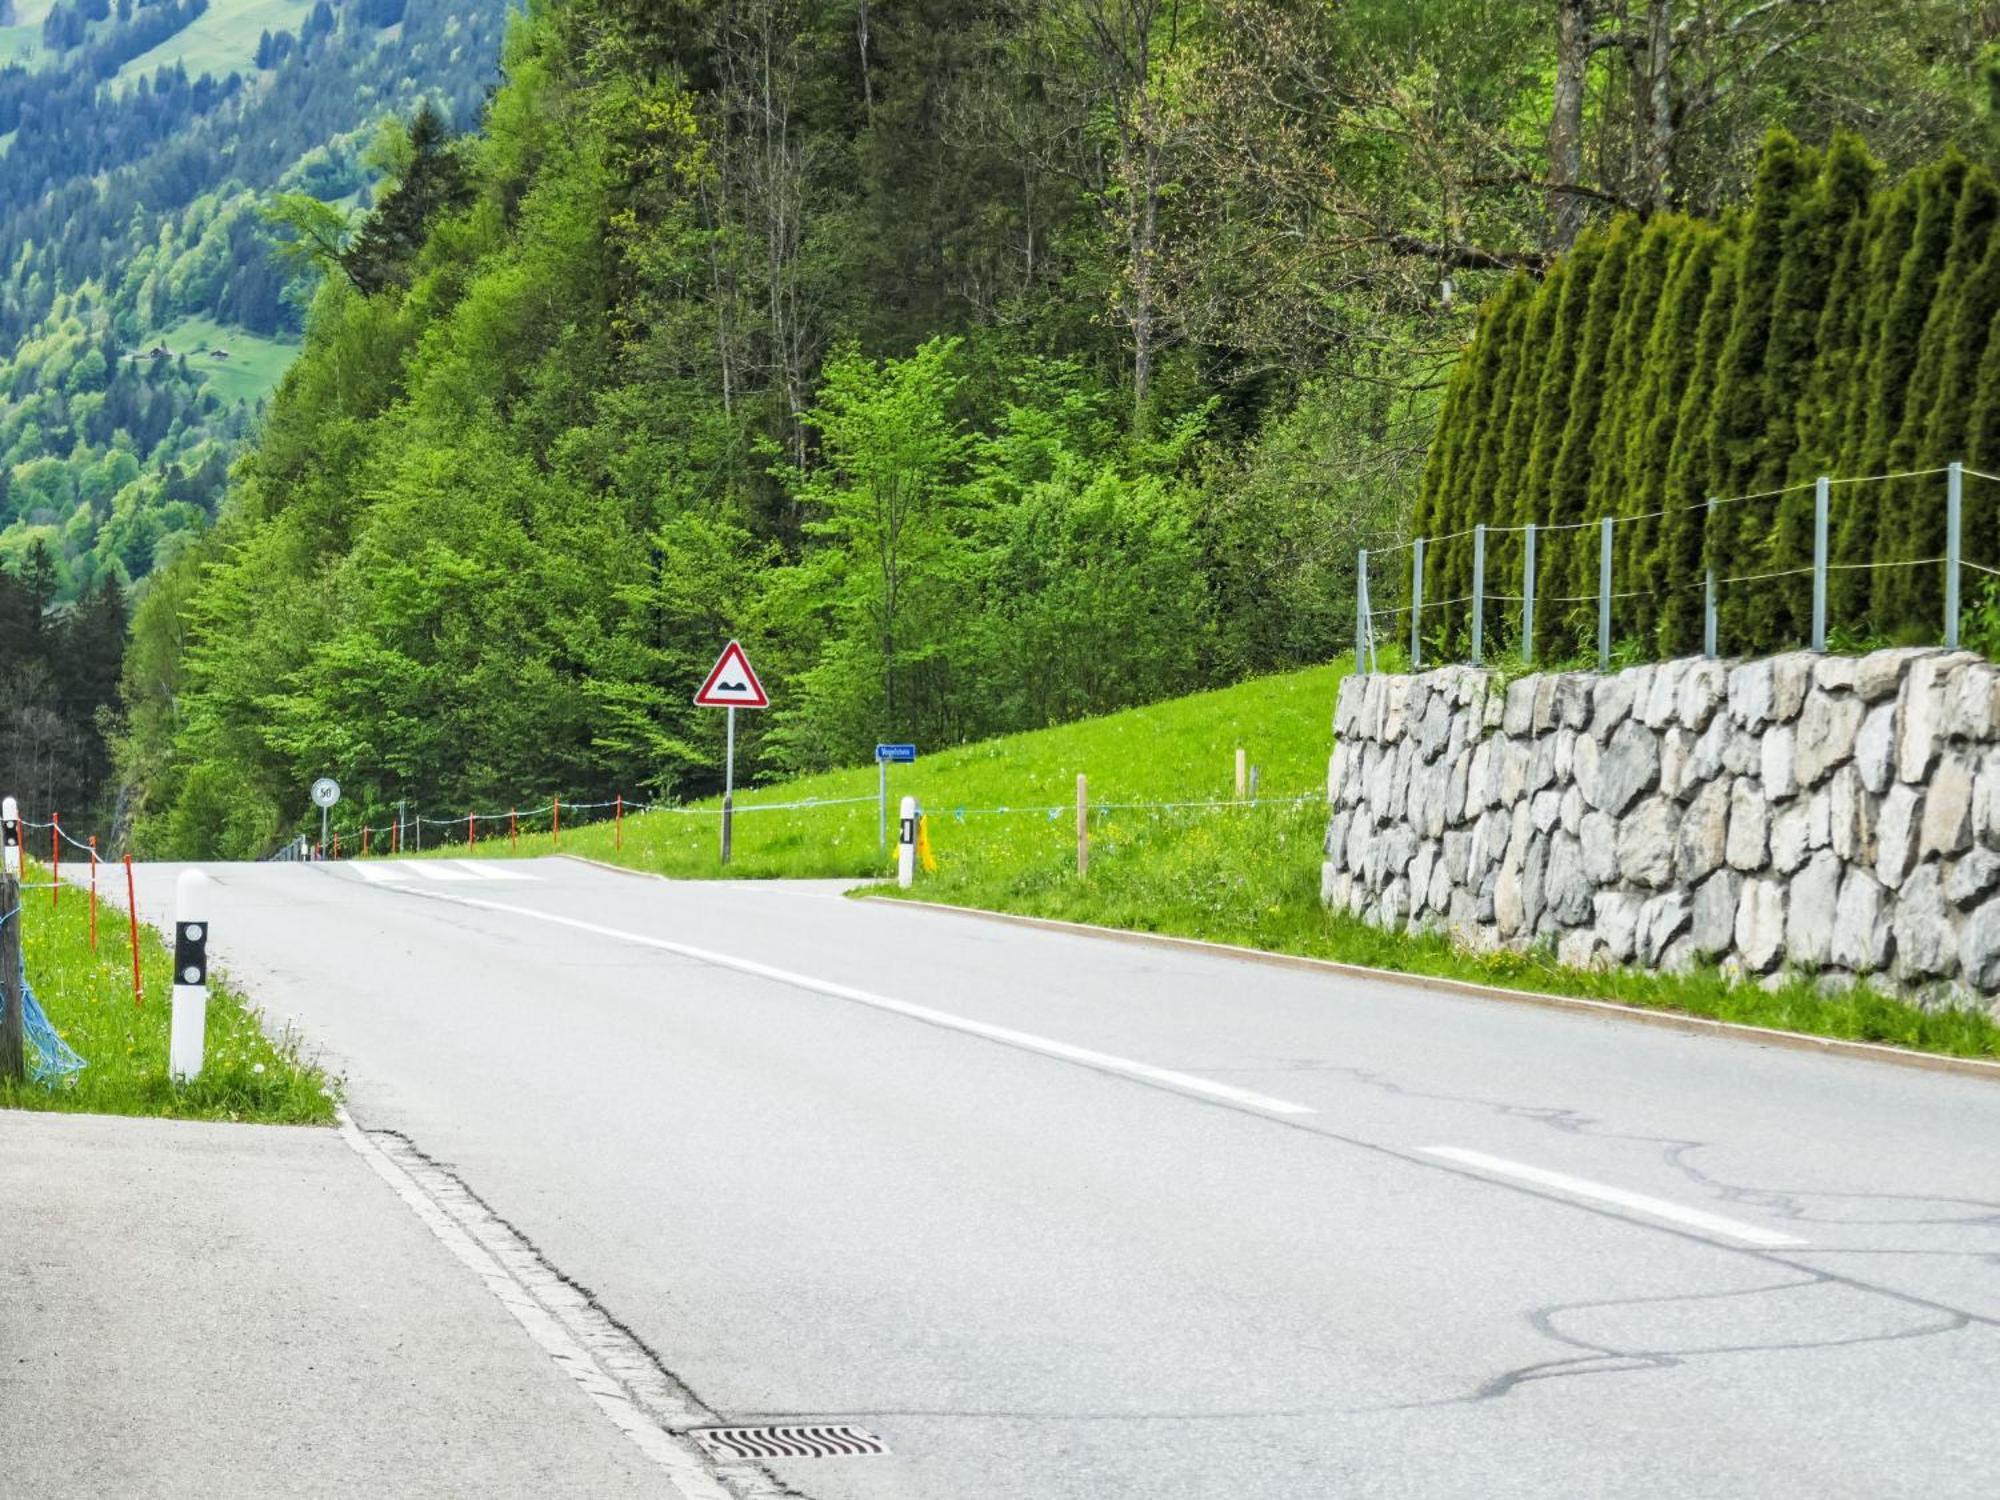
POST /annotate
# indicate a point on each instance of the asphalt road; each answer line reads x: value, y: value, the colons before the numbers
x: 1059, y: 1217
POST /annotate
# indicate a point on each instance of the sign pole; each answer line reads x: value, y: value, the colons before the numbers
x: 881, y: 805
x: 728, y: 781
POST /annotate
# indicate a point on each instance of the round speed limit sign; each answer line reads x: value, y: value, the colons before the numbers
x: 325, y: 792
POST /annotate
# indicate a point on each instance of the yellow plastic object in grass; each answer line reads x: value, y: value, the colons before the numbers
x: 926, y: 860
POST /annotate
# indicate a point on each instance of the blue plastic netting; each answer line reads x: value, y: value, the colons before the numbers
x: 55, y: 1058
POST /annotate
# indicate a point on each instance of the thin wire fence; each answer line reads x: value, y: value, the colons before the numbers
x: 1580, y: 584
x: 416, y: 833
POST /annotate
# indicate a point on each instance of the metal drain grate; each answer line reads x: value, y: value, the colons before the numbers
x: 734, y: 1444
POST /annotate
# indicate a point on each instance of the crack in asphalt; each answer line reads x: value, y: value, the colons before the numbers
x: 1792, y: 1205
x: 762, y: 1483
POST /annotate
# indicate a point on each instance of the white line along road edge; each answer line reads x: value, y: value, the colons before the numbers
x: 687, y: 1472
x: 1027, y: 1041
x: 1638, y: 1203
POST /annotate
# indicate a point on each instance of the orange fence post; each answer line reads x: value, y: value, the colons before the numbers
x: 555, y: 824
x: 132, y: 912
x: 336, y: 843
x: 618, y: 822
x: 364, y: 839
x: 93, y: 893
x: 471, y: 833
x: 513, y: 831
x: 55, y: 856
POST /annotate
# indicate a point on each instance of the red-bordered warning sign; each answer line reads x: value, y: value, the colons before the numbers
x: 732, y: 683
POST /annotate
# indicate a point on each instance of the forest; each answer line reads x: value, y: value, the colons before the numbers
x: 979, y: 366
x: 143, y: 312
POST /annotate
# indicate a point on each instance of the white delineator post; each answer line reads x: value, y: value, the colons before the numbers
x: 190, y: 1021
x: 906, y: 844
x: 10, y: 830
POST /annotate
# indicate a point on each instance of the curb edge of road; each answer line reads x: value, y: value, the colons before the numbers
x: 1797, y: 1041
x: 1672, y: 1020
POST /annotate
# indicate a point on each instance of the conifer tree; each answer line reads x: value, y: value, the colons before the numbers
x: 1815, y: 242
x: 1503, y: 552
x: 1471, y: 411
x: 1552, y: 422
x: 1853, y: 527
x: 1981, y: 443
x: 1913, y: 509
x: 1569, y: 479
x: 1512, y: 497
x: 1737, y: 415
x: 1653, y: 403
x: 1685, y: 539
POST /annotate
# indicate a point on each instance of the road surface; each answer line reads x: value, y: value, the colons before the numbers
x: 1059, y: 1217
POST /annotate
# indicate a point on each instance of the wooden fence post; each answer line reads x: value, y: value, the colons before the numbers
x: 12, y: 1045
x: 1083, y: 825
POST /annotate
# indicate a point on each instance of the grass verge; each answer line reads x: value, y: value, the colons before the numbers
x: 87, y: 994
x: 1230, y: 873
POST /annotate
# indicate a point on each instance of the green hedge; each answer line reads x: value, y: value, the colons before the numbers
x: 1840, y: 325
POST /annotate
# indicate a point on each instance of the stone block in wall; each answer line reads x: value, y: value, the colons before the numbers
x: 1760, y: 925
x: 1947, y: 825
x: 1748, y: 845
x: 1896, y: 833
x: 1860, y: 925
x: 1926, y: 942
x: 1815, y: 895
x: 1826, y: 732
x: 1628, y: 768
x: 1704, y: 827
x: 1646, y: 843
x: 1777, y: 762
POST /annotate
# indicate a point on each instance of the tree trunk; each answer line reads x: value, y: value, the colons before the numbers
x: 1565, y: 209
x: 1657, y: 185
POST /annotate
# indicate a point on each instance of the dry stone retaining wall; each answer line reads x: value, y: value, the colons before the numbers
x: 1839, y: 815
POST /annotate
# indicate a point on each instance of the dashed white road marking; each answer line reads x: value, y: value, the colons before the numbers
x: 1638, y: 1203
x: 1027, y: 1041
x: 395, y: 871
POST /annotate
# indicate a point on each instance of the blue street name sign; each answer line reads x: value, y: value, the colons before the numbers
x: 898, y: 753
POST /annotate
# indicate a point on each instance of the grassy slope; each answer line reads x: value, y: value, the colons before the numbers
x: 87, y: 995
x: 253, y: 369
x: 223, y: 41
x: 22, y: 42
x: 1234, y: 874
x: 1175, y: 751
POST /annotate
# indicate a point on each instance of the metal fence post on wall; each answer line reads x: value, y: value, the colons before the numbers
x: 1708, y: 594
x: 1954, y: 495
x: 1528, y: 593
x: 1478, y: 591
x: 1820, y: 491
x: 1361, y: 611
x: 1417, y: 606
x: 1604, y: 596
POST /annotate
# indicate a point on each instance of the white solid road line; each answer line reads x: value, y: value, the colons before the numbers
x: 1105, y: 1062
x: 1639, y: 1203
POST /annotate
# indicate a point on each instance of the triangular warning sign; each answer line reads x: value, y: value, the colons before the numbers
x: 732, y: 684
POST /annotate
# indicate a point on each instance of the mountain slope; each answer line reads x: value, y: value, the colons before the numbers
x: 143, y: 319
